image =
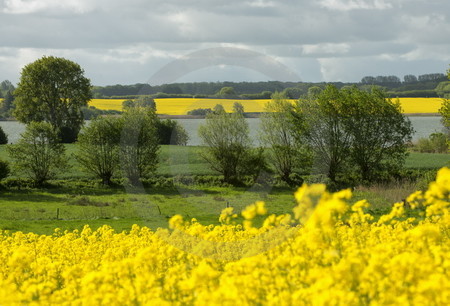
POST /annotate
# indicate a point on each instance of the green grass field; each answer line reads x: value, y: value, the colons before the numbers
x: 75, y: 201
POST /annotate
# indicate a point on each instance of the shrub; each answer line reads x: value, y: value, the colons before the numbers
x: 4, y: 169
x: 3, y: 137
x: 39, y: 153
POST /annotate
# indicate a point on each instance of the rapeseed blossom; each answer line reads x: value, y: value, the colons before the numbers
x: 327, y: 252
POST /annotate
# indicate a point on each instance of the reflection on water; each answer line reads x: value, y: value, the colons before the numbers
x: 423, y: 125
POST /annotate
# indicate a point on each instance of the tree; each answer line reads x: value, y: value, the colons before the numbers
x: 53, y: 90
x: 170, y: 132
x: 379, y: 131
x: 226, y: 92
x: 38, y: 153
x: 445, y: 109
x: 6, y: 86
x: 228, y: 145
x: 3, y: 137
x: 278, y: 132
x: 139, y: 143
x: 4, y: 169
x: 314, y: 91
x: 409, y: 78
x: 356, y: 132
x: 99, y: 147
x: 324, y: 132
x: 238, y: 108
x: 141, y: 101
x: 7, y: 103
x: 218, y: 109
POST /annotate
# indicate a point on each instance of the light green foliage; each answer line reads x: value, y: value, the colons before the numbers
x: 238, y: 108
x: 53, y: 90
x: 228, y: 145
x: 99, y: 147
x: 287, y: 154
x: 139, y: 143
x: 129, y: 143
x: 38, y: 154
x: 436, y: 143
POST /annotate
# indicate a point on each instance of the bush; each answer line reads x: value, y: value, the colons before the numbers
x: 436, y: 143
x: 39, y: 153
x: 439, y: 142
x: 424, y: 145
x: 4, y: 169
x: 170, y: 132
x: 3, y: 137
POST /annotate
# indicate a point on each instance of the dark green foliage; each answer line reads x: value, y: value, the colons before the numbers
x: 7, y: 103
x: 355, y: 135
x: 199, y: 112
x: 39, y: 153
x: 53, y: 90
x: 92, y: 112
x: 141, y: 101
x: 171, y: 132
x: 4, y: 169
x: 3, y: 137
x: 226, y: 92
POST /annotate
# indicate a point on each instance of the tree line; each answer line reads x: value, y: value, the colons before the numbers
x: 346, y: 134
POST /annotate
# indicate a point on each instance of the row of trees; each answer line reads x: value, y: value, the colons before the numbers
x: 345, y: 134
x: 128, y: 144
x: 409, y: 78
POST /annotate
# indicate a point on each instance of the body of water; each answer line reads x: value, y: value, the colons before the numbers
x: 423, y: 126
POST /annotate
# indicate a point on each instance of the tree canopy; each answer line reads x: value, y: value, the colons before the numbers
x: 53, y: 90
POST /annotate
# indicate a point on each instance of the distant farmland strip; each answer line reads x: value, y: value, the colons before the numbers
x: 180, y: 106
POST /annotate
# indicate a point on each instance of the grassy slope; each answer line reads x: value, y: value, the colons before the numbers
x: 36, y: 210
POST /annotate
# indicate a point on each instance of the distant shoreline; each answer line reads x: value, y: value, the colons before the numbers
x: 249, y: 115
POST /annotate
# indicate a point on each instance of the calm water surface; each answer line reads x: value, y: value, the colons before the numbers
x: 424, y: 126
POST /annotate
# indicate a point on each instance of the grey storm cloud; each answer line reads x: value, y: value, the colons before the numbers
x: 323, y: 40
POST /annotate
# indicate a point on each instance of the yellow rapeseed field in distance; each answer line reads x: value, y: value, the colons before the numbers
x: 180, y: 106
x: 327, y: 252
x: 420, y: 105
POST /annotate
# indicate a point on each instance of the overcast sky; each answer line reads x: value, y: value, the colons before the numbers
x: 127, y: 42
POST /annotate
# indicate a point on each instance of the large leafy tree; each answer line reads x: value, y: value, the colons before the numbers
x: 322, y: 120
x: 53, y: 90
x: 357, y: 133
x: 378, y: 129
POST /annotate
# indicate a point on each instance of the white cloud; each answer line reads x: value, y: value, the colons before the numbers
x: 348, y: 5
x: 35, y: 6
x: 326, y: 48
x: 261, y: 3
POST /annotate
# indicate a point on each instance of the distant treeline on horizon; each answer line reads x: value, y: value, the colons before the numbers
x: 426, y: 85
